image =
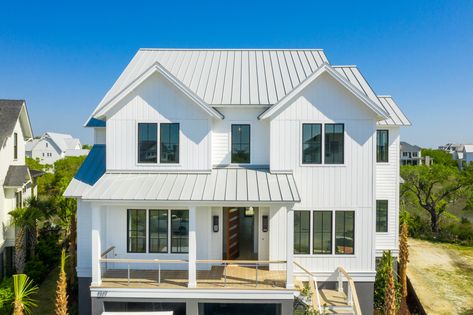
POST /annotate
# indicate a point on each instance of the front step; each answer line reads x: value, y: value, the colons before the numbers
x: 334, y: 302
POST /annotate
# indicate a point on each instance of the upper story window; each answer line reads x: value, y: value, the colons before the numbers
x: 169, y: 138
x: 147, y: 143
x: 15, y: 146
x: 414, y: 154
x: 382, y: 145
x: 311, y: 143
x: 381, y: 215
x: 240, y: 143
x: 334, y: 143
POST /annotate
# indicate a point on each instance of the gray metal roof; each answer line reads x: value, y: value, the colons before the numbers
x: 17, y: 176
x: 406, y: 147
x: 9, y: 114
x: 226, y: 184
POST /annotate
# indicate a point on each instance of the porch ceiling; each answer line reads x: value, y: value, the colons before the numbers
x: 230, y: 185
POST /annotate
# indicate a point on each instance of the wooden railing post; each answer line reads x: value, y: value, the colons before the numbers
x: 192, y: 248
x: 340, y: 281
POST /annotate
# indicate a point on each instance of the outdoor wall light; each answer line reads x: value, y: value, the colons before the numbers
x: 265, y: 223
x: 215, y: 223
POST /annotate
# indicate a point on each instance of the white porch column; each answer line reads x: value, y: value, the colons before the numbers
x: 192, y: 248
x: 290, y: 249
x: 96, y: 246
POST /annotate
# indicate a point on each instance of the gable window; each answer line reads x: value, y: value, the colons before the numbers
x: 322, y: 232
x: 334, y: 143
x: 240, y: 143
x: 158, y: 231
x: 311, y: 143
x: 345, y: 232
x: 136, y: 230
x: 381, y: 215
x: 15, y: 146
x: 169, y: 138
x: 382, y: 145
x: 147, y: 143
x: 179, y: 231
x: 301, y: 232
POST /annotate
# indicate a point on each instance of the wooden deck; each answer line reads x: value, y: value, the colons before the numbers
x: 237, y: 277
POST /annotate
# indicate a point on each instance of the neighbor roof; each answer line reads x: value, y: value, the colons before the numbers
x: 10, y: 111
x: 17, y: 176
x: 468, y: 148
x: 409, y: 147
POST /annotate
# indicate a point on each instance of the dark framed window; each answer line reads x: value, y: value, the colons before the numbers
x: 241, y: 143
x: 19, y: 199
x: 15, y: 146
x: 311, y: 143
x: 158, y: 231
x: 169, y: 139
x: 322, y: 232
x: 147, y: 143
x: 345, y: 232
x: 381, y: 215
x: 382, y: 145
x: 334, y: 143
x: 136, y: 231
x: 301, y: 232
x: 179, y: 231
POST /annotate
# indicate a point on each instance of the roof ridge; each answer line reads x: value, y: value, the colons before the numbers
x: 230, y: 49
x: 344, y: 66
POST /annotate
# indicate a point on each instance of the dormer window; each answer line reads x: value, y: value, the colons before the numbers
x: 15, y: 146
x: 169, y: 138
x: 147, y: 143
x: 241, y: 144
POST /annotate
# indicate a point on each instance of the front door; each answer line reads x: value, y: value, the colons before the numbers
x: 232, y: 236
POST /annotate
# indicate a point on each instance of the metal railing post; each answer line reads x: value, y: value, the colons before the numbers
x: 128, y: 274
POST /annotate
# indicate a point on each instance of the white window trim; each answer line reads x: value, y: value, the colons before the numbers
x: 237, y: 122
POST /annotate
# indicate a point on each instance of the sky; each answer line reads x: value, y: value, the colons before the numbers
x: 62, y: 57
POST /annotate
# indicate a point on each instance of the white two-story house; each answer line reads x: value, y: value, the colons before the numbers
x: 223, y: 180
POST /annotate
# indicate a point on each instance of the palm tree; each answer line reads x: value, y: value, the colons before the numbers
x: 61, y: 290
x: 23, y: 288
x: 19, y: 220
x: 403, y: 258
x: 390, y: 293
x: 36, y: 211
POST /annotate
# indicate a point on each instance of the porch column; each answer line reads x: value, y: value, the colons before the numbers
x: 290, y: 249
x: 192, y: 248
x: 96, y: 246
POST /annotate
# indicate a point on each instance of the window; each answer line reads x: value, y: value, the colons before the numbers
x: 311, y: 143
x: 404, y: 154
x: 15, y: 146
x: 169, y: 134
x: 19, y: 199
x: 301, y: 232
x: 382, y: 145
x: 147, y: 143
x: 158, y: 231
x: 322, y: 232
x: 344, y: 232
x: 381, y: 215
x: 136, y: 231
x: 240, y: 143
x: 414, y: 154
x: 47, y: 145
x: 179, y: 231
x: 334, y: 143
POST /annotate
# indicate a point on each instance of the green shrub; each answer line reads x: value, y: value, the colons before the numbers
x: 381, y: 282
x: 48, y: 249
x: 6, y: 296
x: 36, y: 269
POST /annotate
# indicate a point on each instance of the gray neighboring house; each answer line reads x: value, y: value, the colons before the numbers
x: 410, y: 154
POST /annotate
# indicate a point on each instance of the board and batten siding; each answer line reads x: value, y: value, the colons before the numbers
x: 157, y: 100
x: 329, y: 187
x: 387, y: 188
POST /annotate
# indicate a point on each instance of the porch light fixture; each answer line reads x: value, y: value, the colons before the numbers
x: 265, y: 223
x: 215, y: 220
x: 249, y: 212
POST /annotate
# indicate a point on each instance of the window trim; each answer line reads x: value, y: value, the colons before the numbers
x: 387, y: 216
x: 325, y: 144
x: 354, y: 234
x: 137, y: 146
x: 178, y: 143
x: 231, y: 142
x: 321, y: 143
x: 148, y: 216
x: 387, y: 146
x: 331, y: 232
x: 158, y: 138
x: 310, y: 234
x: 128, y: 232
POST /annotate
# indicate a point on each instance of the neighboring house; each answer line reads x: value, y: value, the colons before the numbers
x: 52, y: 146
x: 222, y: 179
x: 410, y: 154
x: 467, y: 157
x: 16, y: 181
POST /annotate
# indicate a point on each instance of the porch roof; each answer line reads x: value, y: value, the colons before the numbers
x: 225, y: 184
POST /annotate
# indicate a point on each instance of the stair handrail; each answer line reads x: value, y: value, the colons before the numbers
x: 352, y: 296
x: 315, y: 298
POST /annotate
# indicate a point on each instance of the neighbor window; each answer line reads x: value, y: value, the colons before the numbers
x: 158, y: 231
x: 15, y: 146
x: 334, y: 143
x: 147, y: 143
x: 311, y: 143
x: 381, y: 215
x: 169, y: 138
x: 179, y: 231
x: 344, y: 232
x: 240, y: 143
x: 322, y: 232
x: 19, y: 199
x: 301, y: 232
x: 382, y: 145
x: 136, y: 231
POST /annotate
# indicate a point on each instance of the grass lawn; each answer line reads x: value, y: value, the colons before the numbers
x: 442, y: 275
x: 47, y: 294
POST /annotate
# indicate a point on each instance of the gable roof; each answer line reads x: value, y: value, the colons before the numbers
x: 468, y: 148
x: 17, y: 176
x: 10, y: 112
x: 409, y: 147
x: 62, y: 141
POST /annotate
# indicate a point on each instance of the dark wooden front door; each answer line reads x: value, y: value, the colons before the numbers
x: 233, y: 233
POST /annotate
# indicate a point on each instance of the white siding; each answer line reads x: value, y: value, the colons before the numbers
x: 46, y: 151
x: 156, y: 100
x: 84, y: 239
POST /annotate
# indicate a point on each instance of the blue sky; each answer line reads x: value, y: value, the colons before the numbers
x: 63, y: 57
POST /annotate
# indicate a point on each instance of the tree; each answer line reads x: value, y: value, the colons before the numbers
x: 61, y: 289
x: 440, y: 157
x: 23, y: 289
x: 403, y: 258
x: 390, y: 292
x: 86, y: 146
x: 384, y: 271
x: 436, y: 187
x: 19, y: 219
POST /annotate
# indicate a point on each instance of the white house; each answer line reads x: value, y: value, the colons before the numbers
x: 52, y: 146
x: 411, y: 154
x: 16, y: 182
x: 223, y: 179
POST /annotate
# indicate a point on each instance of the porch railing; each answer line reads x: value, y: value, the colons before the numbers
x: 352, y: 297
x: 314, y: 288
